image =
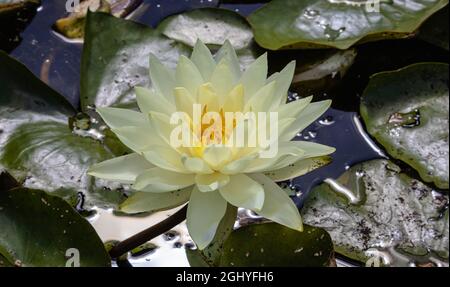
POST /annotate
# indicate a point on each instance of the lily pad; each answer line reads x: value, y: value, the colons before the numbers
x: 39, y: 229
x: 213, y: 27
x: 116, y: 59
x: 271, y: 244
x: 38, y: 147
x: 407, y: 112
x: 338, y: 24
x: 374, y: 209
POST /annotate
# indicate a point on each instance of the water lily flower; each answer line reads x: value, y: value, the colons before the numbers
x: 211, y: 174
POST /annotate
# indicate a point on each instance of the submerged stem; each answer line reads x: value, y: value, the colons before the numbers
x: 149, y: 233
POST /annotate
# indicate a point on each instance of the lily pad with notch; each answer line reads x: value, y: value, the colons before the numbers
x: 407, y: 111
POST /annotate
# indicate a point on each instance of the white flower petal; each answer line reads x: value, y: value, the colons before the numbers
x: 161, y: 124
x: 123, y: 169
x: 278, y: 206
x: 222, y: 79
x: 242, y: 191
x: 162, y: 78
x: 152, y: 202
x: 292, y: 149
x: 205, y: 211
x: 187, y: 75
x: 254, y: 77
x: 234, y: 101
x: 165, y: 158
x: 118, y: 118
x: 208, y: 97
x: 211, y: 182
x: 298, y: 168
x: 262, y: 100
x: 292, y: 109
x: 238, y: 165
x: 202, y: 58
x: 216, y: 156
x: 311, y: 113
x: 138, y: 139
x: 160, y: 180
x: 310, y: 150
x: 184, y: 100
x: 314, y: 149
x: 149, y: 100
x: 196, y: 165
x: 283, y: 80
x: 227, y: 52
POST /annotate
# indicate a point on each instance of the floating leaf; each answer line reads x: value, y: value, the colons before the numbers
x: 39, y: 229
x: 37, y: 145
x: 338, y: 24
x: 271, y: 244
x: 407, y: 112
x: 375, y: 210
x: 116, y: 59
x: 212, y: 26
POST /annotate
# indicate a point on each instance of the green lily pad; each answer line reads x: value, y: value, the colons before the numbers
x: 116, y: 59
x: 212, y: 26
x: 435, y: 30
x: 38, y: 147
x: 39, y: 229
x: 374, y: 209
x: 338, y: 24
x: 271, y: 244
x: 407, y: 112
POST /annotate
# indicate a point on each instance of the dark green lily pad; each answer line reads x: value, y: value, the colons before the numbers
x: 338, y: 24
x: 116, y: 59
x: 271, y: 244
x: 436, y: 29
x: 407, y: 112
x: 39, y: 229
x: 38, y: 147
x: 374, y: 209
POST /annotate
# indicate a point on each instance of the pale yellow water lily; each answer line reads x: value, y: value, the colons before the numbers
x: 212, y: 175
